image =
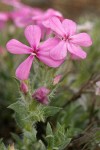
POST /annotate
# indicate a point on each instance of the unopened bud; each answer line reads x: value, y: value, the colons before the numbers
x: 23, y: 87
x: 41, y: 95
x: 57, y: 79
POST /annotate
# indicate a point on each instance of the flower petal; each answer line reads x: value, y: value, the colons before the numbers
x: 82, y: 39
x: 33, y: 35
x: 49, y: 44
x: 56, y: 26
x: 16, y: 47
x: 23, y: 71
x: 69, y: 26
x: 46, y: 59
x: 76, y: 50
x: 59, y: 52
x: 44, y: 52
x: 23, y: 21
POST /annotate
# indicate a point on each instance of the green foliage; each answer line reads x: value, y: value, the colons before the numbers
x: 2, y: 146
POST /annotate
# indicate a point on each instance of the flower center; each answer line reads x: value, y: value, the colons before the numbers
x: 65, y: 37
x: 33, y: 54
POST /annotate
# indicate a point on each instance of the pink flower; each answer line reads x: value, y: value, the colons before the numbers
x: 41, y: 95
x: 57, y: 79
x: 23, y: 87
x: 69, y: 40
x: 40, y: 51
x: 23, y: 16
x: 3, y: 19
x: 44, y: 16
x: 41, y: 19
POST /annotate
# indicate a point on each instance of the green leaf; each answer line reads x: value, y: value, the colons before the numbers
x: 30, y: 135
x: 21, y: 111
x: 49, y: 137
x: 51, y: 110
x: 19, y: 107
x: 49, y: 129
x: 17, y: 139
x: 64, y: 144
x: 2, y: 146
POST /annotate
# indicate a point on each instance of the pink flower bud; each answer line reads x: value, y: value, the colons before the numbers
x: 23, y: 87
x: 41, y: 95
x: 57, y: 79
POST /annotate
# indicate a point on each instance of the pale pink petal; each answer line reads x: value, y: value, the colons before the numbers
x: 23, y: 21
x: 59, y: 52
x: 56, y: 26
x: 82, y: 39
x: 33, y: 35
x: 44, y: 53
x: 46, y: 23
x: 76, y: 50
x: 49, y: 44
x: 69, y: 26
x: 50, y: 13
x: 16, y: 47
x: 4, y: 16
x: 23, y: 71
x: 46, y: 59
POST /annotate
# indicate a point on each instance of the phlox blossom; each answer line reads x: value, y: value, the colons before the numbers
x: 70, y: 41
x: 44, y: 17
x: 36, y: 49
x: 23, y: 16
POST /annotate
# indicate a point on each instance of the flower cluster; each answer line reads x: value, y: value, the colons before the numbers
x: 63, y: 38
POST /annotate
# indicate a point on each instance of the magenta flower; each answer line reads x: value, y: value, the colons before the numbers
x: 40, y: 51
x: 69, y: 40
x: 41, y: 95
